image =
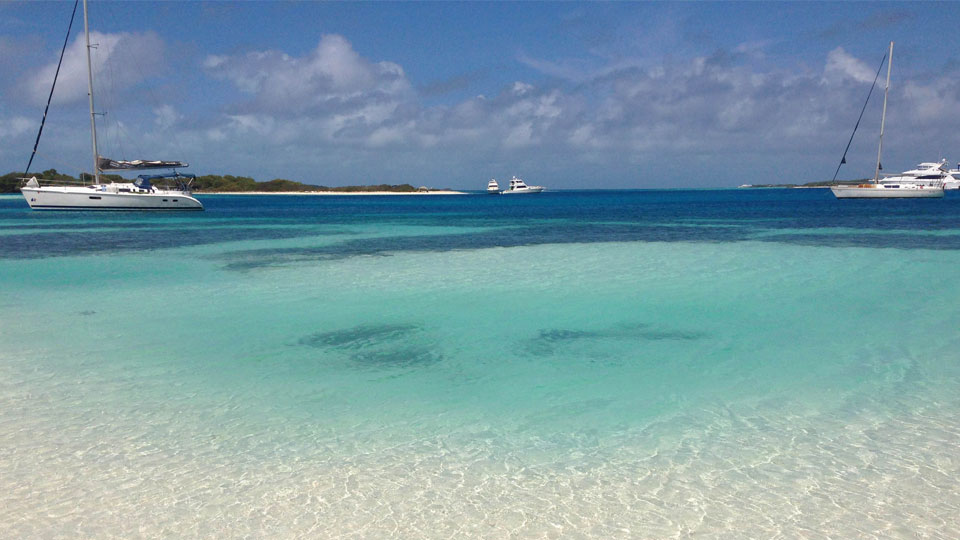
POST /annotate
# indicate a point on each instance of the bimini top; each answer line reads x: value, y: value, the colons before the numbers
x: 107, y: 164
x: 183, y: 180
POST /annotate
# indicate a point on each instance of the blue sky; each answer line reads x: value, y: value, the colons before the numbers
x: 450, y: 94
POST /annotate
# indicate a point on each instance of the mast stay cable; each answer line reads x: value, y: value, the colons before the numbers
x: 50, y: 97
x: 844, y: 158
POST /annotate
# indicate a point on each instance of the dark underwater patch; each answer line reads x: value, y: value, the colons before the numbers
x: 555, y: 233
x: 414, y: 356
x: 358, y: 337
x: 78, y: 226
x: 553, y: 336
x: 547, y: 341
x: 377, y: 345
x: 890, y: 241
x: 65, y: 244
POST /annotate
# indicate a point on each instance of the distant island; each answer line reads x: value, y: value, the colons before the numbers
x: 823, y: 184
x: 212, y: 183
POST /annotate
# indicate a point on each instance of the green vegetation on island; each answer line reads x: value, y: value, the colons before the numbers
x: 821, y: 184
x: 211, y: 183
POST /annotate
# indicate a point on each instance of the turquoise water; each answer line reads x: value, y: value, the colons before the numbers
x: 645, y: 364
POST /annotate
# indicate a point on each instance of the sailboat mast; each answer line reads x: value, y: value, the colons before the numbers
x: 883, y: 119
x: 93, y: 122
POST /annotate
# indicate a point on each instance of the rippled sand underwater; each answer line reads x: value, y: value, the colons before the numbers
x: 378, y: 377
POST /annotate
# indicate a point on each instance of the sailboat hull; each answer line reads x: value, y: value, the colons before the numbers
x: 874, y: 191
x: 76, y: 198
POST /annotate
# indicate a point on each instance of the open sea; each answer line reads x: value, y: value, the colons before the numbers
x: 595, y: 364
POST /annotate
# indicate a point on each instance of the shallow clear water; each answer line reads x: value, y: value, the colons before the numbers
x: 747, y: 363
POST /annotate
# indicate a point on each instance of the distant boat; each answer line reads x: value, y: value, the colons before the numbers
x: 953, y: 178
x: 928, y: 174
x: 173, y: 193
x: 906, y: 185
x: 887, y: 190
x: 517, y: 186
x: 493, y: 187
x: 929, y: 179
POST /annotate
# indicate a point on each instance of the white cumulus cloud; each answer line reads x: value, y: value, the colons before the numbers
x: 332, y: 109
x: 16, y: 126
x: 332, y: 77
x: 123, y: 58
x: 841, y: 64
x: 166, y: 116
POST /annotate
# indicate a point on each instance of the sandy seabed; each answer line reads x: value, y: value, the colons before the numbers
x: 735, y: 476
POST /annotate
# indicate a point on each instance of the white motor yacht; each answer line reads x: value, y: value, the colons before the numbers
x: 929, y: 174
x: 493, y: 187
x: 952, y: 181
x: 172, y: 193
x: 518, y: 186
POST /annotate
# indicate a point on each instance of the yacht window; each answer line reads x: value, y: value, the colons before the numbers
x: 94, y: 197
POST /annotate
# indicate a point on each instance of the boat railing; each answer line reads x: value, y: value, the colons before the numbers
x: 54, y: 181
x: 170, y: 183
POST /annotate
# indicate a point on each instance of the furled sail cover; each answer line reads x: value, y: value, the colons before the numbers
x: 107, y: 164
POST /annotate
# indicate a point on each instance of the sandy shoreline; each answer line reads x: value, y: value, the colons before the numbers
x: 431, y: 192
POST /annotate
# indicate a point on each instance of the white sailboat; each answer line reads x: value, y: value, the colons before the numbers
x: 892, y: 187
x: 172, y: 193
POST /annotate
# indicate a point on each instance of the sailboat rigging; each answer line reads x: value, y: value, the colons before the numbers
x: 924, y: 182
x: 843, y: 159
x: 56, y: 75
